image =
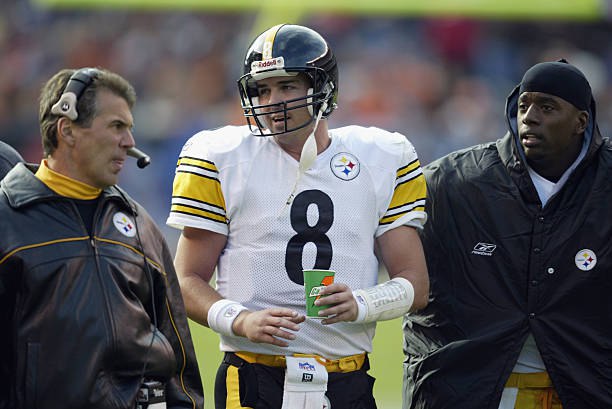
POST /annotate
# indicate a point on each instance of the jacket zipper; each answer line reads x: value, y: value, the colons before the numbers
x: 94, y: 249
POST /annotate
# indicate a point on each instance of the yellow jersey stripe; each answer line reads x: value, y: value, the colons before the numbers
x: 176, y: 200
x: 194, y: 211
x: 390, y: 219
x: 199, y: 188
x: 409, y: 191
x: 198, y: 163
x: 415, y: 164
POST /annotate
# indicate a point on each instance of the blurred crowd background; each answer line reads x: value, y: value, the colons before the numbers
x: 440, y: 81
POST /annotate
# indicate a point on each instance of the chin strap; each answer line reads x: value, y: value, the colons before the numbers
x: 307, y: 157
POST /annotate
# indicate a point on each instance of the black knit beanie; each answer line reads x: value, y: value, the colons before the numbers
x: 561, y: 79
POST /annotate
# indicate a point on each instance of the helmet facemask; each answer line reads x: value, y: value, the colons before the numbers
x: 321, y: 90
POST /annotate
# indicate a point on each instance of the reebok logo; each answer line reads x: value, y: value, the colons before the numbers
x: 484, y: 249
x: 307, y: 377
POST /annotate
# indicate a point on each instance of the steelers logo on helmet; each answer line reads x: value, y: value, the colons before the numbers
x: 345, y: 166
x: 288, y: 50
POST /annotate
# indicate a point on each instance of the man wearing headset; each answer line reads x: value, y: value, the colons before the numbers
x: 261, y: 203
x: 91, y: 310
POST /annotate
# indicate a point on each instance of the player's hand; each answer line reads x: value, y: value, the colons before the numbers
x: 343, y: 306
x: 269, y: 326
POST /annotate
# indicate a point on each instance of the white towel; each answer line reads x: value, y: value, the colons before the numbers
x: 305, y: 384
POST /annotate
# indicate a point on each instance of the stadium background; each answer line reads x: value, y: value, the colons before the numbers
x: 437, y: 71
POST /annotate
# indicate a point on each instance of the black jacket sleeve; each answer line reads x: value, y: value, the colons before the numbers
x: 184, y: 389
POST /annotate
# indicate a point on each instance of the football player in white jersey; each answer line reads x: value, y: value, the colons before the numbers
x: 261, y: 202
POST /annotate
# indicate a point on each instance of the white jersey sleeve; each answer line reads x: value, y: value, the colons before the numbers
x: 385, y: 153
x: 407, y: 204
x: 197, y: 195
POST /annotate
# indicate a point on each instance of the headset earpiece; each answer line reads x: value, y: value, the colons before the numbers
x: 78, y: 82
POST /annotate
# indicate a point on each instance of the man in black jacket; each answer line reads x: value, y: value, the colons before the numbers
x: 519, y: 250
x: 9, y: 157
x: 90, y: 307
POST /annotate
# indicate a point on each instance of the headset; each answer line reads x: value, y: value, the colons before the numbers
x: 66, y: 105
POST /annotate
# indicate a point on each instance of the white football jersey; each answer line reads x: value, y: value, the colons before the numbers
x: 234, y: 183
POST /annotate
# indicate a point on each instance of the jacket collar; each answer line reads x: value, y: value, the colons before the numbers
x: 23, y: 188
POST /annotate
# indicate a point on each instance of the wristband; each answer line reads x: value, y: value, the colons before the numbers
x: 384, y: 301
x: 222, y: 314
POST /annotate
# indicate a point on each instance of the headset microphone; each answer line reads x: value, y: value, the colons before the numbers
x: 143, y: 159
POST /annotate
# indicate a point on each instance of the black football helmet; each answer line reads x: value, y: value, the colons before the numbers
x: 287, y: 50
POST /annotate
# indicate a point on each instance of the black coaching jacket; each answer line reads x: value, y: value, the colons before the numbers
x: 80, y: 314
x: 502, y: 266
